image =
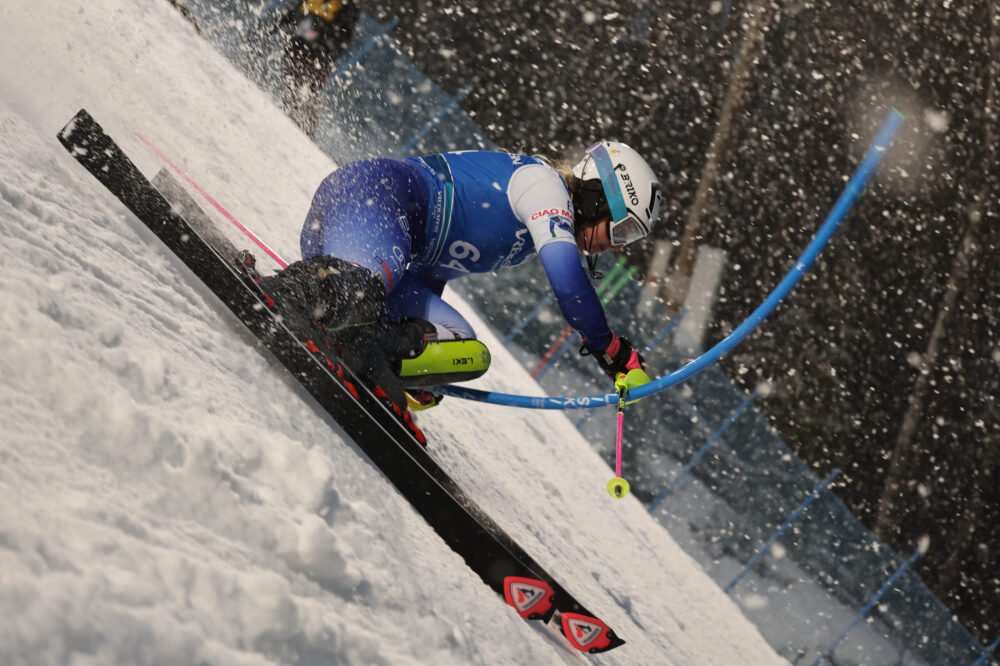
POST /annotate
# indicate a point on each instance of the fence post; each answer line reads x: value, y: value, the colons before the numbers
x: 781, y: 530
x: 658, y: 338
x: 542, y: 304
x: 701, y: 452
x: 871, y: 603
x: 987, y: 653
x: 545, y: 302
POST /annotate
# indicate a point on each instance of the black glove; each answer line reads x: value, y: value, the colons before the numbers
x: 618, y: 357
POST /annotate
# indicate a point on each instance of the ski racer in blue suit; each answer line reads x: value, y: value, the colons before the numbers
x: 383, y: 237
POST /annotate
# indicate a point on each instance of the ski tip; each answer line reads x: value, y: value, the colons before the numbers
x: 588, y: 634
x: 530, y: 597
x: 81, y: 119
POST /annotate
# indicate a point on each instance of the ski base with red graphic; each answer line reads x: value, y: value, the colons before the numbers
x: 379, y: 427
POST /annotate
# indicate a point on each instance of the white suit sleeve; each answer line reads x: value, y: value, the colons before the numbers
x: 539, y: 198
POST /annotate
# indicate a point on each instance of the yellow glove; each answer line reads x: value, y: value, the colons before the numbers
x: 630, y: 380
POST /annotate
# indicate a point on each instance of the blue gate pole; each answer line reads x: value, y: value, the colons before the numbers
x: 989, y: 651
x: 360, y: 54
x: 781, y: 530
x: 701, y: 452
x: 425, y: 130
x: 871, y: 604
x: 645, y: 351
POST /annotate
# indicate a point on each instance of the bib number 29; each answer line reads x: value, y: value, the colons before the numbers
x: 460, y: 250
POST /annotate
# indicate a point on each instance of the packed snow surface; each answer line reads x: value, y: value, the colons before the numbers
x: 168, y: 494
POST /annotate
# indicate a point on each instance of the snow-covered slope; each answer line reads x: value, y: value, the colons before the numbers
x: 167, y: 495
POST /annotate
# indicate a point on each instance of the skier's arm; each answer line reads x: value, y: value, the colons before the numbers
x: 576, y: 296
x: 539, y: 199
x: 583, y: 310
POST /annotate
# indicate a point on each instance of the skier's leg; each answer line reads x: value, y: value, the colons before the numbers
x: 435, y: 343
x: 418, y: 296
x: 368, y: 213
x: 332, y: 291
x: 355, y: 243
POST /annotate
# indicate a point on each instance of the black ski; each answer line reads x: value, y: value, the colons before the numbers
x: 377, y: 426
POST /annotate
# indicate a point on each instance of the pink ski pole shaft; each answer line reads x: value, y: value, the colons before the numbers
x: 618, y: 444
x: 219, y: 207
x: 618, y: 487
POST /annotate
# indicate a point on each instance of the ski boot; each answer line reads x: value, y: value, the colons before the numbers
x: 306, y: 294
x: 334, y: 292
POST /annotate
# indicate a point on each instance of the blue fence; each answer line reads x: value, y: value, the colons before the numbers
x: 819, y: 585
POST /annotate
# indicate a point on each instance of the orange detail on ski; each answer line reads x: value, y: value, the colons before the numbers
x: 340, y: 374
x: 417, y: 432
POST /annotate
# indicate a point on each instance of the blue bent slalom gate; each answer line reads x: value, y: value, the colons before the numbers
x: 836, y: 215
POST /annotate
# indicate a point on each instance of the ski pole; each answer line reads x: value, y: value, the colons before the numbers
x: 618, y: 487
x: 645, y: 352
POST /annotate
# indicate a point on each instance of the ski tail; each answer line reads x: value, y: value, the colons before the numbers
x: 531, y: 598
x: 588, y: 634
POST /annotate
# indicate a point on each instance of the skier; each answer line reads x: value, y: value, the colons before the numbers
x: 384, y: 236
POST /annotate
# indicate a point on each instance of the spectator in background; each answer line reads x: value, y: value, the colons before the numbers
x: 319, y: 32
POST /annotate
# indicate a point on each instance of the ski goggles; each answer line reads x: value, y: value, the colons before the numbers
x: 624, y: 227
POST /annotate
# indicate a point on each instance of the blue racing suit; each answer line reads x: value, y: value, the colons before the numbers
x: 425, y: 220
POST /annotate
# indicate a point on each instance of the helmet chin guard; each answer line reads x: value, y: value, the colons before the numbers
x: 614, y: 182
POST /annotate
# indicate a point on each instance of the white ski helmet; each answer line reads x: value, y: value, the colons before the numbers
x: 614, y: 182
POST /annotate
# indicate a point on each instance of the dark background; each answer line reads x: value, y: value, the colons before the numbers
x: 885, y: 360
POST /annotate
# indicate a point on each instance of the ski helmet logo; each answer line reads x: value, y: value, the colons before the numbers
x: 627, y: 184
x: 654, y: 202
